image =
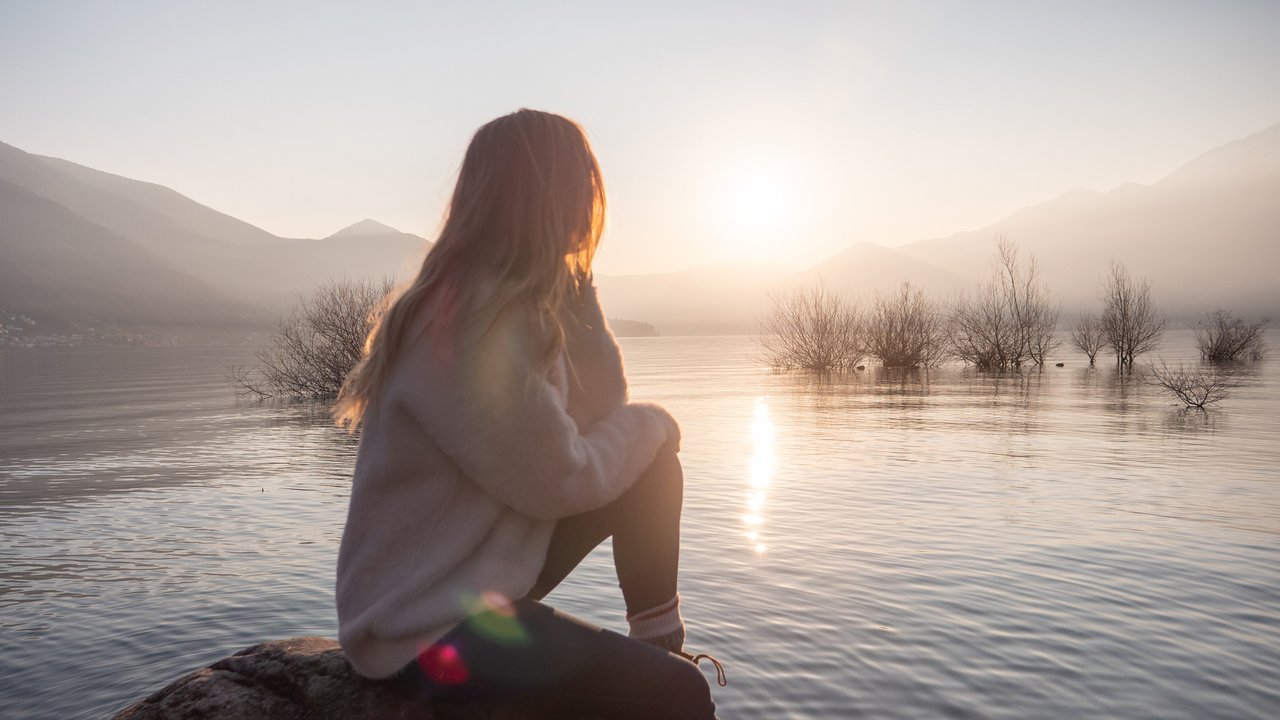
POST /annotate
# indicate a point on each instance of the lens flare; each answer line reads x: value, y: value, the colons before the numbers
x: 443, y: 664
x: 493, y: 615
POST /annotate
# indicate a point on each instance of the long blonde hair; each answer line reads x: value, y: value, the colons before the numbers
x: 525, y: 217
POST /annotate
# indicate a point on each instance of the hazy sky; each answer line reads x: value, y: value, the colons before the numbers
x: 750, y: 132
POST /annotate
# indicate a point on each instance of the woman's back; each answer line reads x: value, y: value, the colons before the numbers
x: 424, y: 538
x: 499, y: 447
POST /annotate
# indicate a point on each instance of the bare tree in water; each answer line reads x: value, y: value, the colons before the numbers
x: 906, y: 329
x: 1195, y: 387
x: 1223, y: 337
x: 1010, y: 320
x: 317, y: 344
x: 1130, y: 319
x: 811, y: 328
x: 1088, y: 335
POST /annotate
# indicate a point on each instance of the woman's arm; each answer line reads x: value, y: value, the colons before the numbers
x: 487, y: 407
x: 597, y: 382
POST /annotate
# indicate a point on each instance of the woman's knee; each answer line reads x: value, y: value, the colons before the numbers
x: 666, y: 467
x: 664, y: 477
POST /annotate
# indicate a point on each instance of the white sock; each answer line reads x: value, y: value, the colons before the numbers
x: 660, y: 625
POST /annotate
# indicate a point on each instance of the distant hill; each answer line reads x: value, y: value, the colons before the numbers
x: 1208, y: 235
x: 631, y: 328
x: 702, y: 300
x: 367, y: 227
x: 194, y: 219
x: 61, y: 269
x: 58, y: 213
x: 728, y: 299
x: 357, y: 251
x: 85, y: 245
x: 866, y: 268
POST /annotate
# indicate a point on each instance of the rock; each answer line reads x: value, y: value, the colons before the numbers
x: 1060, y: 365
x: 306, y: 678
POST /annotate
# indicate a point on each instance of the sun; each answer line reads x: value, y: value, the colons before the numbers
x: 757, y: 203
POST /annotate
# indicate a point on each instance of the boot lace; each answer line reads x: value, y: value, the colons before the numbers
x: 721, y: 678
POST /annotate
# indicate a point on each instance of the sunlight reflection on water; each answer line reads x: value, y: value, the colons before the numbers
x: 763, y: 462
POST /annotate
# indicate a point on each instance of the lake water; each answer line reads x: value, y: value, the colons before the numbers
x: 1062, y: 544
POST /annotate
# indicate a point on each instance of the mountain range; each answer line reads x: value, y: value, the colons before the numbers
x: 84, y: 246
x: 81, y: 246
x: 1207, y: 236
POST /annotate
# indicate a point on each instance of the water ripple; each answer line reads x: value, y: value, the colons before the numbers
x: 877, y: 544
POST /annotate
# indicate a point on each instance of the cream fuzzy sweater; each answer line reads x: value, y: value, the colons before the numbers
x: 466, y: 460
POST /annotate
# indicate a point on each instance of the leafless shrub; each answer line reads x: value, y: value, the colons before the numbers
x: 811, y: 328
x: 981, y: 331
x: 906, y: 329
x: 1088, y: 335
x: 1195, y: 387
x: 1009, y: 321
x: 1223, y: 337
x: 316, y: 345
x: 1131, y: 321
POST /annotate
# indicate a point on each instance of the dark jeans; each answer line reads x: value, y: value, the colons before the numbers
x: 531, y: 655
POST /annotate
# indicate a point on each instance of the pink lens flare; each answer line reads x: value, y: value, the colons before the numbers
x: 444, y: 664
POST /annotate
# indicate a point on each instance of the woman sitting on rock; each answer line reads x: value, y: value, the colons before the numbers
x: 499, y: 447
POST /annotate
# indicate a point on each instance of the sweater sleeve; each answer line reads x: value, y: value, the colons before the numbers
x: 597, y: 382
x: 505, y: 426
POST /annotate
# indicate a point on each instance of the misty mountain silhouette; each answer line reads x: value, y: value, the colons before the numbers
x: 84, y: 245
x: 1207, y: 236
x: 60, y: 267
x: 223, y: 269
x: 365, y: 228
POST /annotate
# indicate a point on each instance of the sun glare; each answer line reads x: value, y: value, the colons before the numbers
x: 757, y: 202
